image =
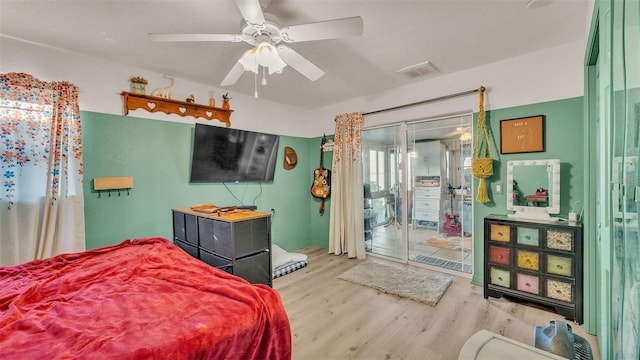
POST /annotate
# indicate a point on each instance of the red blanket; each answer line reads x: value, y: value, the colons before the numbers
x: 141, y: 299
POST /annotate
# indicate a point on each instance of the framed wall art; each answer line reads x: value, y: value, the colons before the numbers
x: 522, y: 135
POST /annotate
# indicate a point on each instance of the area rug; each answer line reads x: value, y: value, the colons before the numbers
x: 453, y: 242
x: 404, y: 282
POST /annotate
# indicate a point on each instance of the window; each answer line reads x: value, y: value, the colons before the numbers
x: 42, y: 212
x: 377, y: 170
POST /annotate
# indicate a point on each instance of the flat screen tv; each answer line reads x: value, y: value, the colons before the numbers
x: 221, y: 154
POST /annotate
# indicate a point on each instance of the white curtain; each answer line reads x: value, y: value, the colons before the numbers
x: 346, y: 225
x: 41, y: 201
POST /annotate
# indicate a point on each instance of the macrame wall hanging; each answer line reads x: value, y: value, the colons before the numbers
x: 482, y: 161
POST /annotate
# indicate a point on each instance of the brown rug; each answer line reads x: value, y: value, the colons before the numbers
x: 412, y: 283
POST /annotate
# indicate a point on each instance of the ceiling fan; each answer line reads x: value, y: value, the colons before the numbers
x: 264, y: 32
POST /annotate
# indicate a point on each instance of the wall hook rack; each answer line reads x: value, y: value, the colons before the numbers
x: 113, y: 183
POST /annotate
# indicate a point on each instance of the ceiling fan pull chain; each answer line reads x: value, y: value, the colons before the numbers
x: 255, y: 85
x: 264, y: 76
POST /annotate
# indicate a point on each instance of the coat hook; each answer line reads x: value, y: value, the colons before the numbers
x: 128, y: 192
x: 109, y: 193
x: 99, y: 193
x: 118, y: 192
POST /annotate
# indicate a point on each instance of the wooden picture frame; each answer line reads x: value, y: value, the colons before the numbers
x: 522, y: 135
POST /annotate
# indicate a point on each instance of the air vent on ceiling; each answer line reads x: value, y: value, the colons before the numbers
x: 417, y: 70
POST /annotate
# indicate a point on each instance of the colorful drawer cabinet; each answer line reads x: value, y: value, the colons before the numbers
x: 540, y: 262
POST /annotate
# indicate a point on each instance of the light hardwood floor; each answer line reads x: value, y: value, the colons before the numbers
x: 387, y: 241
x: 335, y: 319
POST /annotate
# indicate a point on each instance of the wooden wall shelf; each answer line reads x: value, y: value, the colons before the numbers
x: 133, y: 101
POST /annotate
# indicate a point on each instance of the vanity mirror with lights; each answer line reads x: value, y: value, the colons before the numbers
x: 533, y: 188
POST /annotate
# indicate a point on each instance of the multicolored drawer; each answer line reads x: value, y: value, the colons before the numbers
x: 540, y: 262
x: 560, y: 290
x: 528, y: 260
x: 560, y: 240
x: 500, y: 277
x: 528, y: 236
x: 528, y: 283
x: 500, y: 232
x: 500, y: 255
x: 560, y: 265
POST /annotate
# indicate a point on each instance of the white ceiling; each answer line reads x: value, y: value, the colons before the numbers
x: 452, y: 34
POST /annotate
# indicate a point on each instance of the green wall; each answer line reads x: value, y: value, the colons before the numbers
x: 564, y: 140
x: 158, y: 156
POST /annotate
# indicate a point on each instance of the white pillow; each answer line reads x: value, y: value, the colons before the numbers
x: 281, y: 258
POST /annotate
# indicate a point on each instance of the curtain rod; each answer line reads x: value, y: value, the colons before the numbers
x: 426, y: 101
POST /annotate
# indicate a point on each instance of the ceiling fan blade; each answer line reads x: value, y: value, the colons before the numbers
x: 300, y: 63
x: 234, y: 75
x: 196, y: 37
x: 252, y: 12
x: 330, y: 29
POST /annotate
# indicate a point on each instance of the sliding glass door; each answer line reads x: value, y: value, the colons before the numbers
x: 383, y: 197
x: 440, y: 189
x: 418, y: 192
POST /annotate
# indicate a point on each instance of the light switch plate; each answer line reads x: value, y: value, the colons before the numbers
x: 499, y: 188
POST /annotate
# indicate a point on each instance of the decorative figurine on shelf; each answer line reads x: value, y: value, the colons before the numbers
x: 165, y: 92
x: 191, y: 98
x: 212, y: 98
x: 225, y: 101
x: 138, y: 85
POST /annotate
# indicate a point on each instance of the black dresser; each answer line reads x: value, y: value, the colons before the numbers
x: 238, y: 243
x: 536, y: 261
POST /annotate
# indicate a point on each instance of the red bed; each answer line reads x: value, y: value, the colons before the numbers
x: 141, y: 299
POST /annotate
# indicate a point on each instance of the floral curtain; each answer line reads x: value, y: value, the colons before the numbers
x: 41, y: 202
x: 346, y: 224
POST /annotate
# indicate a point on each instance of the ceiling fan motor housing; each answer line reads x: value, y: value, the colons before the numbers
x: 271, y: 30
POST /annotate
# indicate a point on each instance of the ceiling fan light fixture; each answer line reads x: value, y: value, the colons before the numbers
x: 265, y: 55
x: 277, y: 66
x: 249, y: 61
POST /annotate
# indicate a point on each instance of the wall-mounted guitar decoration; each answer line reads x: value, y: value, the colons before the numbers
x: 321, y: 187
